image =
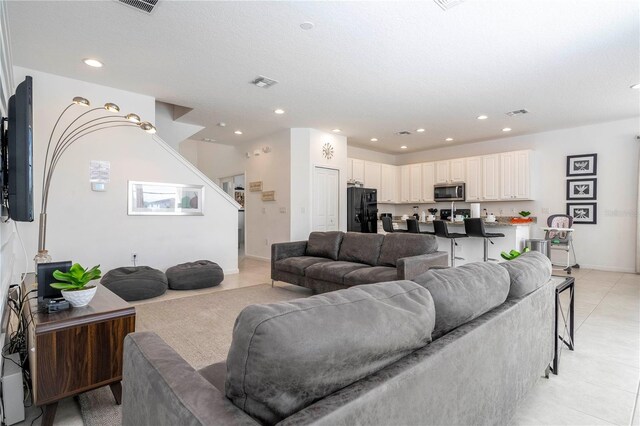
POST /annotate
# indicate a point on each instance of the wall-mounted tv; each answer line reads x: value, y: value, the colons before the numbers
x: 17, y: 153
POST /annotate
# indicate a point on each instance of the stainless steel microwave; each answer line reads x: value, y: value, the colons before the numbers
x: 449, y: 192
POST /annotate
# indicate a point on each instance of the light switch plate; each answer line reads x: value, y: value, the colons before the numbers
x: 98, y: 187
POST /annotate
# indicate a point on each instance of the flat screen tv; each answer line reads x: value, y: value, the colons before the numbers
x: 19, y: 150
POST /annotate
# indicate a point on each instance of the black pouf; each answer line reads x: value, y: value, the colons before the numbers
x: 193, y: 275
x: 135, y: 282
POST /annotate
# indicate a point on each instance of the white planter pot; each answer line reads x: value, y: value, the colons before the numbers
x: 79, y: 298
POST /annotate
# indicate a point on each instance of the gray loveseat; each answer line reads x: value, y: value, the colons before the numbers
x: 456, y: 346
x: 331, y: 261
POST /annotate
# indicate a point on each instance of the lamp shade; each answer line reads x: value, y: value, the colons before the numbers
x: 134, y: 118
x: 111, y: 107
x: 78, y: 100
x: 148, y: 127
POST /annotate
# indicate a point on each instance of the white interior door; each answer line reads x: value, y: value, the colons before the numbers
x: 326, y: 190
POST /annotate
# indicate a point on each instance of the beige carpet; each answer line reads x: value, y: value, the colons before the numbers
x: 199, y: 328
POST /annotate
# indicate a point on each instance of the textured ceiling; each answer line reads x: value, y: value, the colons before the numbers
x: 368, y: 68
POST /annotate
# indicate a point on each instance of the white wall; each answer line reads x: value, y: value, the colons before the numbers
x: 609, y: 245
x: 218, y: 160
x: 171, y: 131
x: 369, y: 155
x: 267, y: 222
x: 189, y: 150
x: 93, y: 227
x: 306, y: 154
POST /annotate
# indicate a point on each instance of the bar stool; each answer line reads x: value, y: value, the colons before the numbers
x: 440, y: 226
x: 475, y: 228
x: 414, y: 228
x: 387, y: 225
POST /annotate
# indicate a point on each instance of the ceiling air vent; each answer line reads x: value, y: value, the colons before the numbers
x: 264, y: 82
x: 403, y: 133
x: 517, y: 112
x: 146, y: 6
x: 447, y: 4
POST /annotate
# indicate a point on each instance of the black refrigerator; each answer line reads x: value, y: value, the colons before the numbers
x: 362, y: 207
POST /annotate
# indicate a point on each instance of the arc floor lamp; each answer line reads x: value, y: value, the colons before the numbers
x: 78, y: 128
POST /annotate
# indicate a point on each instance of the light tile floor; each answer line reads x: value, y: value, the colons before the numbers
x: 598, y: 382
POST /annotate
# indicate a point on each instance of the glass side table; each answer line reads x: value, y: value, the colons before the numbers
x: 564, y: 315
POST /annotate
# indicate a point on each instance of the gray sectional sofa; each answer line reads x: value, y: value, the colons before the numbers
x: 455, y: 346
x: 331, y: 261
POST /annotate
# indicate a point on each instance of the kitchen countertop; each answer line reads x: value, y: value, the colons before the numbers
x: 502, y: 221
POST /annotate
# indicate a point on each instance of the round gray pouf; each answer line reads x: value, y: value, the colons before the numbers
x: 135, y: 282
x: 193, y: 275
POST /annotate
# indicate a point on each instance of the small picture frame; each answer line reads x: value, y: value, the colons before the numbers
x: 255, y: 186
x: 268, y: 195
x: 582, y: 189
x: 583, y: 213
x: 582, y: 165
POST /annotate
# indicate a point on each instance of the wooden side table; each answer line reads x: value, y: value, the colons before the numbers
x: 77, y: 350
x: 567, y: 321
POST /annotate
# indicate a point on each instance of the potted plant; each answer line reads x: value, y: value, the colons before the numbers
x: 73, y: 284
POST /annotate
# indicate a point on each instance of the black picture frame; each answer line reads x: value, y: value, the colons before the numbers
x: 591, y: 213
x: 590, y: 169
x: 572, y: 183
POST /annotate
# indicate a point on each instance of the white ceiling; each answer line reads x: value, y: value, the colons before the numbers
x: 368, y: 68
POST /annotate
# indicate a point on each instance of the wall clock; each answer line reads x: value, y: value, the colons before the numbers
x: 327, y: 151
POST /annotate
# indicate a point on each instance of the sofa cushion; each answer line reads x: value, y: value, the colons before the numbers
x: 375, y: 274
x: 527, y: 273
x: 332, y: 271
x: 215, y: 374
x: 297, y: 265
x: 285, y: 356
x: 324, y: 244
x: 464, y: 293
x: 399, y: 245
x: 361, y: 248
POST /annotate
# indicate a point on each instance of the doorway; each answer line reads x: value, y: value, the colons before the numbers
x: 326, y: 199
x: 234, y: 186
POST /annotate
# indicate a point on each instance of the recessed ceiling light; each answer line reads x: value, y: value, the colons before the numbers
x: 238, y: 132
x: 420, y: 130
x: 306, y: 25
x: 336, y: 130
x: 93, y: 63
x: 448, y: 139
x: 482, y: 117
x: 636, y: 86
x: 279, y: 111
x: 374, y: 139
x: 506, y: 129
x: 403, y: 147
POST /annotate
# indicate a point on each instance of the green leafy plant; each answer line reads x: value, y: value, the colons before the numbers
x: 524, y: 213
x: 513, y: 254
x: 77, y: 277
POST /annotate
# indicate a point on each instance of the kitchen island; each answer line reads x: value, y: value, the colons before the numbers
x: 471, y: 249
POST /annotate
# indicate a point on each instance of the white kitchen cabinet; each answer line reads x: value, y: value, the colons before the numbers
x: 405, y: 184
x: 457, y: 170
x: 389, y: 183
x: 443, y: 172
x: 357, y: 173
x: 490, y: 186
x: 515, y: 181
x: 428, y: 180
x: 415, y: 184
x: 473, y: 180
x: 372, y: 175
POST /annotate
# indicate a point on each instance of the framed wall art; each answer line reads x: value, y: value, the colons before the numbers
x: 168, y: 199
x: 255, y: 186
x: 582, y: 165
x: 583, y: 213
x: 582, y: 189
x: 268, y: 195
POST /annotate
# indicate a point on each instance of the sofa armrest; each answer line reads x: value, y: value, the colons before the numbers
x: 161, y: 388
x: 411, y: 267
x: 281, y: 251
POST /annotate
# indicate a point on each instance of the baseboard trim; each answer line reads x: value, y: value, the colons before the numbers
x: 264, y: 259
x: 608, y: 268
x: 231, y: 271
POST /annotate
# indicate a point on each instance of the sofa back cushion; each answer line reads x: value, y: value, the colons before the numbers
x: 464, y: 293
x: 399, y: 245
x: 324, y: 244
x: 527, y: 273
x: 361, y: 248
x: 285, y: 356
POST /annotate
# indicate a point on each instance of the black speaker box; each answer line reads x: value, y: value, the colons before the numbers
x: 45, y: 277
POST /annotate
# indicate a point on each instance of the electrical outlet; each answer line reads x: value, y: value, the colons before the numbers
x: 283, y: 209
x: 501, y: 212
x: 264, y: 210
x: 134, y: 258
x: 546, y: 210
